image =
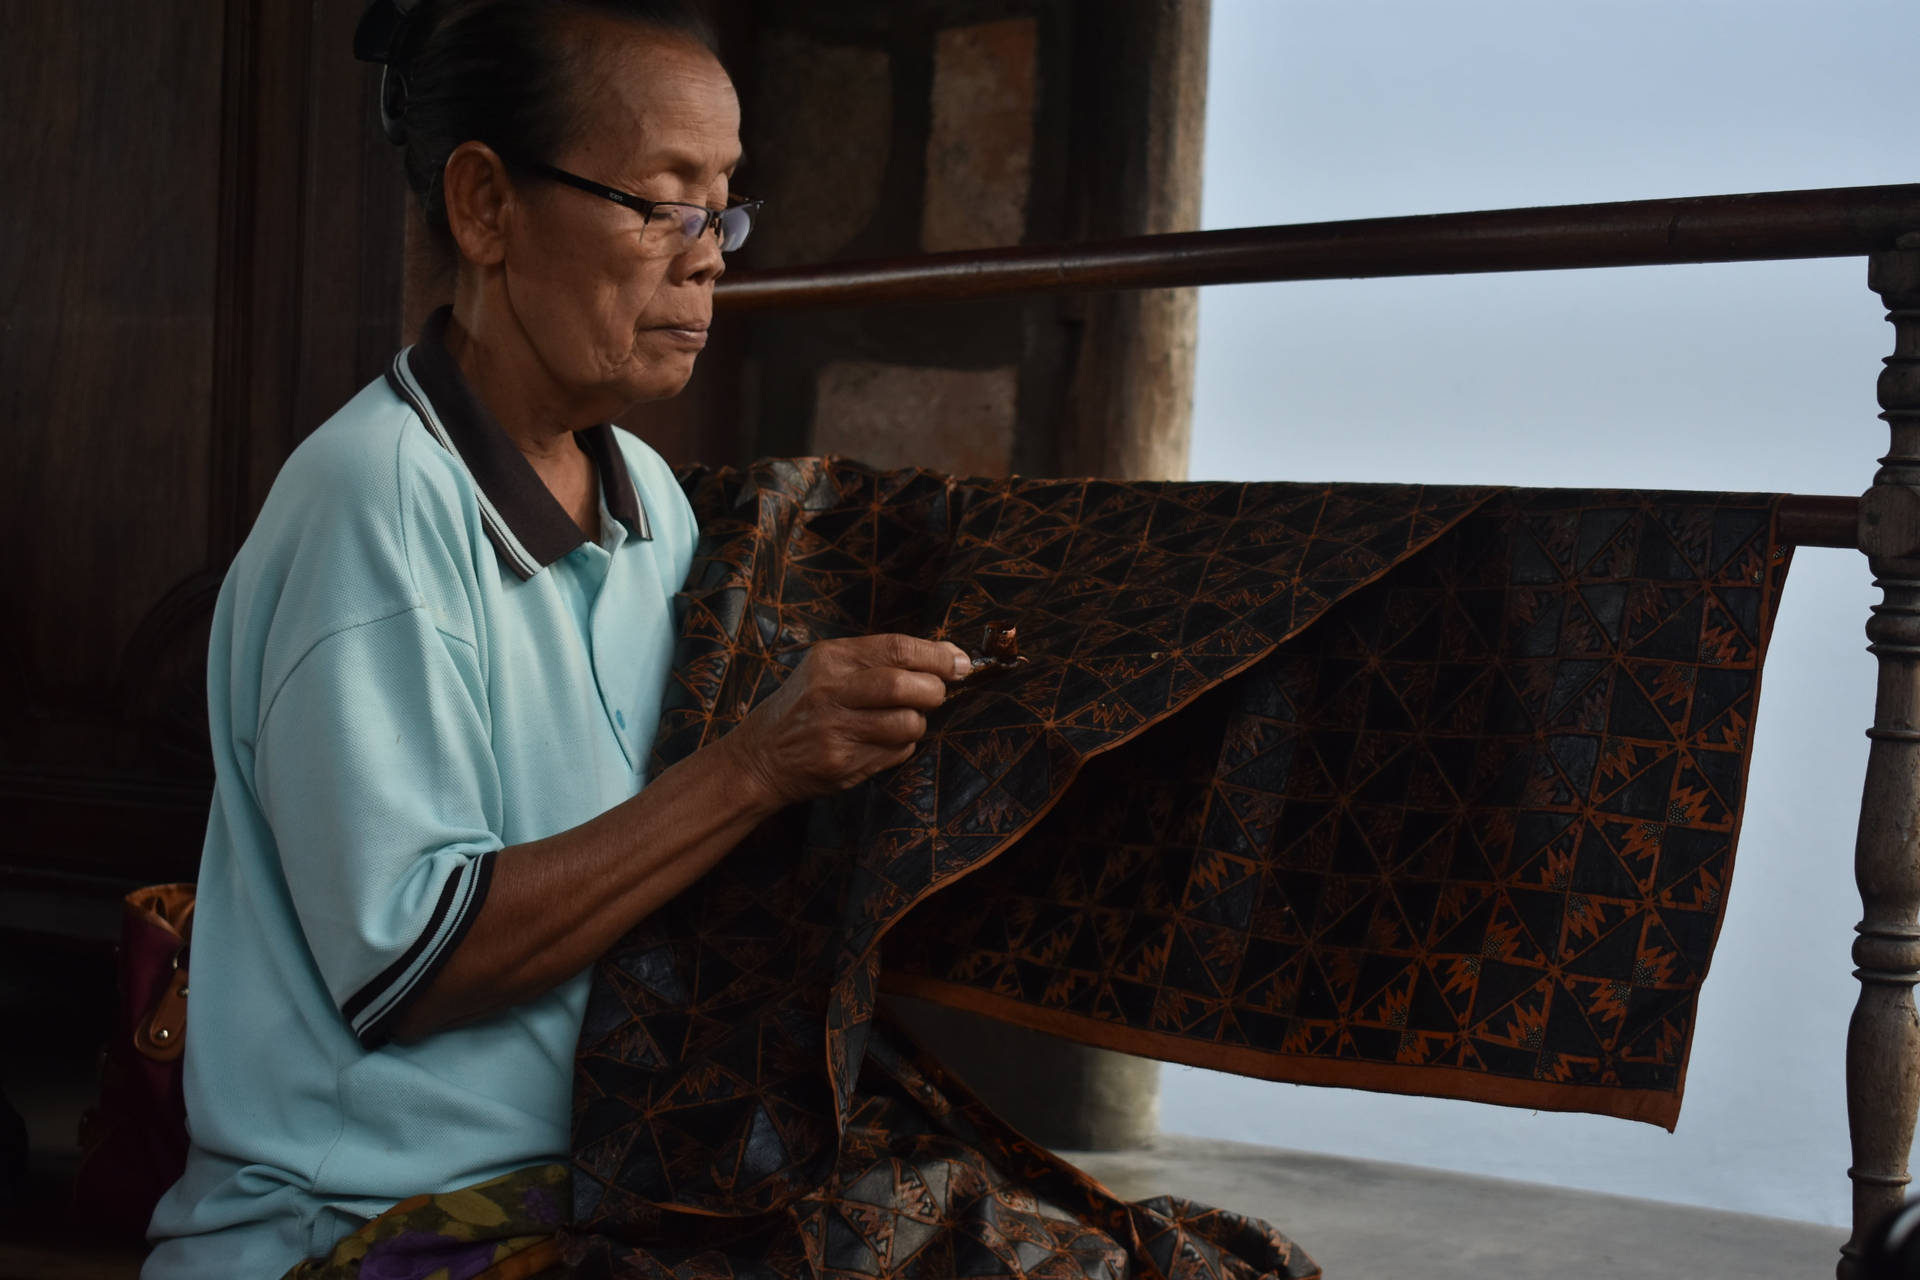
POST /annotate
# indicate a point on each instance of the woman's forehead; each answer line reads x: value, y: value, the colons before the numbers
x: 695, y: 156
x: 659, y: 102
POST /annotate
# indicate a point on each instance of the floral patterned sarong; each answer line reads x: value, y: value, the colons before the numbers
x: 501, y: 1229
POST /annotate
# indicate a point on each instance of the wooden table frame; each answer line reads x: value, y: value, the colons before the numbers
x: 1881, y: 224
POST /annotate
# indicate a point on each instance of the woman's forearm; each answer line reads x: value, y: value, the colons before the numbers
x: 556, y: 904
x: 853, y: 707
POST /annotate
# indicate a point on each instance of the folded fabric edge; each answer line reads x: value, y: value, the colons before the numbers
x: 1648, y: 1106
x: 1239, y: 667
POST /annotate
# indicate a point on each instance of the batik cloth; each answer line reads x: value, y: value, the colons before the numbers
x: 1411, y: 788
x: 928, y: 1184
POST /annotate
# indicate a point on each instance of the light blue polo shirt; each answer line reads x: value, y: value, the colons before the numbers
x: 417, y: 660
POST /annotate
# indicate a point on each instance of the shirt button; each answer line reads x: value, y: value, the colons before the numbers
x: 620, y: 718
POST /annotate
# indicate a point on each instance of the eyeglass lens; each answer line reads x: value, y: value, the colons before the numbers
x: 684, y: 223
x: 734, y: 225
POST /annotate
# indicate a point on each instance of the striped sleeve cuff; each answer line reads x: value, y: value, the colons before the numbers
x: 375, y: 1009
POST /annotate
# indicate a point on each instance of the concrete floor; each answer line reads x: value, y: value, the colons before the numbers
x: 1361, y: 1220
x: 1364, y: 1220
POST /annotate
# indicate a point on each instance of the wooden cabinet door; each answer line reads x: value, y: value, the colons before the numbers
x: 200, y: 248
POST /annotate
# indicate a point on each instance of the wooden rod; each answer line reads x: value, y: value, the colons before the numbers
x: 1819, y: 521
x: 1825, y: 223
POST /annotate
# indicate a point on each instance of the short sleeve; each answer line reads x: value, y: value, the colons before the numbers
x: 374, y: 770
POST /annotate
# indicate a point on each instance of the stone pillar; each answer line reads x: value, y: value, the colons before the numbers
x: 1067, y: 1096
x: 876, y: 129
x: 879, y: 129
x: 1140, y: 106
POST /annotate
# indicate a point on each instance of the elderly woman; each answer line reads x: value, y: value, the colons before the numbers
x: 438, y: 661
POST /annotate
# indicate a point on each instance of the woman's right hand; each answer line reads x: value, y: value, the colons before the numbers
x: 850, y: 709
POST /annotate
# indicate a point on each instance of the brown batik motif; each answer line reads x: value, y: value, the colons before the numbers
x: 1469, y: 835
x: 720, y: 1085
x: 927, y: 1184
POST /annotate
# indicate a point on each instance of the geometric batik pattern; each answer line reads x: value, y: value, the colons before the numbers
x: 1469, y: 835
x: 928, y: 1184
x: 1114, y: 800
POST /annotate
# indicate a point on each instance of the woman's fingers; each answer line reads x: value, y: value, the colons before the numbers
x: 870, y: 688
x: 850, y: 709
x: 906, y: 653
x: 899, y: 727
x: 864, y: 743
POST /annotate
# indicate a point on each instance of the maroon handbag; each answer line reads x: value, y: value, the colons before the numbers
x: 134, y: 1142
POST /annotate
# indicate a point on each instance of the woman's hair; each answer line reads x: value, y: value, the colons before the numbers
x: 504, y: 72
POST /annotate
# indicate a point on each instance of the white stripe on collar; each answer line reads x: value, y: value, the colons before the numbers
x: 521, y: 561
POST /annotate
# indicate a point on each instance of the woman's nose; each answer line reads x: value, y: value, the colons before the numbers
x: 701, y: 262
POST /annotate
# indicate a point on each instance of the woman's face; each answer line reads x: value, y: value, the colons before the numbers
x: 613, y: 319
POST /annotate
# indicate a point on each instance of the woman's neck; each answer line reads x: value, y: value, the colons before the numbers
x: 507, y: 375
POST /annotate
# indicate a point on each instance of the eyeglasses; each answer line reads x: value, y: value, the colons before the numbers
x: 672, y: 226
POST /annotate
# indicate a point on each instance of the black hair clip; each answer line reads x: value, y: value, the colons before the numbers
x: 382, y: 37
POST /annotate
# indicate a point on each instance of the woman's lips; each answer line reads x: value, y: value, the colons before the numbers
x: 692, y: 336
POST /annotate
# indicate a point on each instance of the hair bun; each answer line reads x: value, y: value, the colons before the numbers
x: 381, y: 35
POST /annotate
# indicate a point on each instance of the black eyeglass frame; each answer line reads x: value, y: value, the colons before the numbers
x: 645, y: 207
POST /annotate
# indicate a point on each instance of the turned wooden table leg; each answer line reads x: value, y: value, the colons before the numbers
x: 1883, y: 1039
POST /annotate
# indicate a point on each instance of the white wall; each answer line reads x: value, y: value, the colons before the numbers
x: 1714, y: 377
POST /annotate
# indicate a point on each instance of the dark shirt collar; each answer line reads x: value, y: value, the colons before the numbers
x: 528, y: 527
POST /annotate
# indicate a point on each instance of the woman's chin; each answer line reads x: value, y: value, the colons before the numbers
x: 658, y: 380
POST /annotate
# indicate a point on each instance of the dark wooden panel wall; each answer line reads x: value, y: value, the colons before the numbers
x: 201, y: 260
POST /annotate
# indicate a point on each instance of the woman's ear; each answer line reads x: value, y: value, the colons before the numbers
x: 479, y: 199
